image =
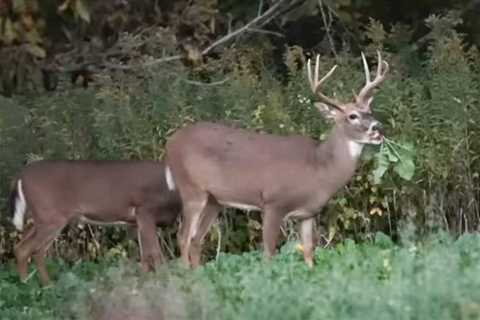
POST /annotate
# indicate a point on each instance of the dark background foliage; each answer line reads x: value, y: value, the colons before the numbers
x: 113, y: 79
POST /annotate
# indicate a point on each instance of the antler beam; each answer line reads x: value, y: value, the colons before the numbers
x: 315, y: 83
x: 366, y: 94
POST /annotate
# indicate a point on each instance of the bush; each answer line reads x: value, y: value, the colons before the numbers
x: 373, y: 280
x: 429, y: 101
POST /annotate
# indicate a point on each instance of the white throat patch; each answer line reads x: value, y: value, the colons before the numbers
x: 355, y: 148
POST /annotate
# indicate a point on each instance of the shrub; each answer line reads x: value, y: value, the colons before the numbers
x: 429, y: 102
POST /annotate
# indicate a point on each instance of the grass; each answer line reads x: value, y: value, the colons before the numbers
x: 438, y: 278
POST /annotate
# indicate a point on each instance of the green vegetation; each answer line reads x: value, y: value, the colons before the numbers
x: 426, y: 175
x: 151, y: 68
x: 434, y: 279
x: 42, y: 41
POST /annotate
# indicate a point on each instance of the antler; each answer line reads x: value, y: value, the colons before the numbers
x: 366, y: 94
x: 315, y: 83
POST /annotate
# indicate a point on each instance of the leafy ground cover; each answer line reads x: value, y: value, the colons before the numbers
x: 437, y: 278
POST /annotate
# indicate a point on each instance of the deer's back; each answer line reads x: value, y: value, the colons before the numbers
x: 97, y: 186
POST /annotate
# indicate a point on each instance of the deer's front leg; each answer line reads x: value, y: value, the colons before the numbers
x: 307, y: 227
x: 151, y: 254
x: 192, y: 209
x: 272, y: 221
x: 209, y: 214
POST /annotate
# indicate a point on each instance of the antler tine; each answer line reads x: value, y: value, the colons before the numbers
x: 366, y: 69
x: 381, y: 62
x: 365, y: 95
x: 317, y: 71
x: 315, y: 83
x: 379, y: 65
x: 310, y: 79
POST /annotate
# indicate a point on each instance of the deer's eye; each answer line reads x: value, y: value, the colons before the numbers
x: 353, y: 116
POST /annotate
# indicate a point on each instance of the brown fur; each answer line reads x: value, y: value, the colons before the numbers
x: 60, y: 192
x: 278, y: 174
x: 216, y: 165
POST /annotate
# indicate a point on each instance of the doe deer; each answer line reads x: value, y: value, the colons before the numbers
x: 284, y: 176
x: 56, y: 193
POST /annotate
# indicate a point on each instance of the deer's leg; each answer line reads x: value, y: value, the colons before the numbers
x: 307, y: 234
x: 150, y: 252
x: 208, y: 215
x: 272, y: 221
x: 192, y: 209
x: 39, y: 258
x: 181, y: 234
x: 36, y: 245
x: 21, y: 257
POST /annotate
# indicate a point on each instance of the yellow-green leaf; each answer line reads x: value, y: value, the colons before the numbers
x: 332, y: 231
x: 382, y: 165
x: 33, y: 36
x: 64, y: 6
x: 36, y: 51
x: 27, y: 21
x: 9, y: 34
x: 345, y: 16
x: 18, y: 6
x: 82, y: 10
x: 344, y: 3
x: 405, y: 169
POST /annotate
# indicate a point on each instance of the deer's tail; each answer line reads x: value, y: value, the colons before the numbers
x: 169, y: 178
x: 17, y: 205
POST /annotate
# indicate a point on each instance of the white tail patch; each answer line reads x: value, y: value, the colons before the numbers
x: 20, y: 207
x: 169, y: 178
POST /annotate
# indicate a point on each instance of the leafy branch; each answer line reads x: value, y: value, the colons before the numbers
x: 254, y: 26
x: 394, y: 155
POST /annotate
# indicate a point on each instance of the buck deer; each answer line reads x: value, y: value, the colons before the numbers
x: 99, y: 192
x: 284, y: 176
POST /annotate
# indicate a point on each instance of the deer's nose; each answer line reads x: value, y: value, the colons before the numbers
x: 377, y: 126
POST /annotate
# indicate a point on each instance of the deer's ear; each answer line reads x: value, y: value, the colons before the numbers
x: 327, y: 111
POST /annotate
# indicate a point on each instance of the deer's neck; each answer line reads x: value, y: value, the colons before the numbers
x: 339, y: 155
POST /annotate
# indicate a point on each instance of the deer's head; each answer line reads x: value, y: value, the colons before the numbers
x: 354, y: 118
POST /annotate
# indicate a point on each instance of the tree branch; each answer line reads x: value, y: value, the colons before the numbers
x: 295, y: 4
x: 273, y: 33
x: 242, y: 29
x: 206, y: 84
x: 222, y: 40
x: 162, y: 60
x: 260, y: 20
x: 327, y: 28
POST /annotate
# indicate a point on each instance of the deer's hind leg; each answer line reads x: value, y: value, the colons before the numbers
x: 22, y: 259
x: 307, y: 228
x: 36, y: 245
x: 39, y: 258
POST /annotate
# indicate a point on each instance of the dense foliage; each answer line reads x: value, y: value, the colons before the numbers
x: 434, y: 279
x: 44, y: 41
x: 151, y: 68
x: 429, y: 105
